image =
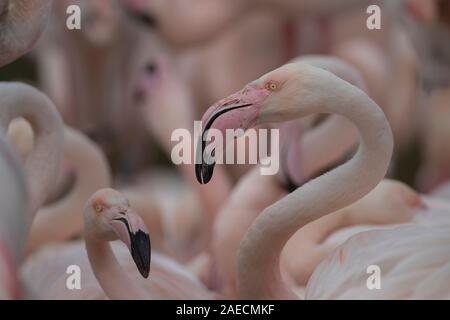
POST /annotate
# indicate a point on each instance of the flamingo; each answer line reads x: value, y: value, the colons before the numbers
x: 109, y: 272
x: 427, y: 24
x: 312, y: 162
x: 218, y: 30
x: 389, y: 203
x: 41, y: 167
x: 283, y: 94
x: 319, y: 147
x: 78, y: 70
x: 43, y: 163
x: 196, y: 21
x: 435, y: 169
x: 21, y: 24
x: 289, y: 92
x: 14, y: 200
x: 62, y: 220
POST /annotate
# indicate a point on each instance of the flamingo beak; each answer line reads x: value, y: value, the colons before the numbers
x: 238, y: 111
x: 132, y: 231
x: 204, y: 165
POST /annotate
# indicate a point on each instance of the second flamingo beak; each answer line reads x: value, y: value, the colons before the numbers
x: 132, y: 231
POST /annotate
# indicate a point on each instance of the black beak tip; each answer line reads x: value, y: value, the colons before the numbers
x: 141, y: 252
x: 204, y: 172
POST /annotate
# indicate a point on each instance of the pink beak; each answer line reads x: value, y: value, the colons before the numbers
x: 240, y: 110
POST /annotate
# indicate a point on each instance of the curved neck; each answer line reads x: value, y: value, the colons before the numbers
x: 62, y: 219
x: 112, y: 278
x: 14, y: 200
x: 337, y: 189
x: 13, y: 197
x: 327, y: 143
x: 42, y: 165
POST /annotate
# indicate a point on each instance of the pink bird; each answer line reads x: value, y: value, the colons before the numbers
x: 186, y: 23
x: 306, y: 157
x: 62, y: 220
x: 389, y: 203
x: 14, y: 201
x: 427, y: 23
x: 109, y: 272
x: 21, y: 24
x: 90, y: 73
x: 290, y: 92
x: 191, y: 22
x: 435, y: 170
x: 297, y: 90
x: 42, y: 165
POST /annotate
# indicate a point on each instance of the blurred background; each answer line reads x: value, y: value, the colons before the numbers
x: 103, y: 77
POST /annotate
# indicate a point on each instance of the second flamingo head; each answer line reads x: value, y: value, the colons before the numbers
x: 108, y: 216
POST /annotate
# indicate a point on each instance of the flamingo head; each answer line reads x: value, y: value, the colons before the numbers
x: 270, y: 98
x: 154, y: 78
x: 108, y: 216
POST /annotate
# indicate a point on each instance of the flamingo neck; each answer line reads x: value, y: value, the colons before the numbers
x: 114, y: 281
x: 258, y: 257
x: 327, y: 143
x: 43, y: 163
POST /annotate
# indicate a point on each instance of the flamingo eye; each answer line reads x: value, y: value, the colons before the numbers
x: 98, y: 208
x: 272, y: 85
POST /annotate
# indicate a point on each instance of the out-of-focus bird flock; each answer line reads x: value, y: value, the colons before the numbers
x: 94, y: 95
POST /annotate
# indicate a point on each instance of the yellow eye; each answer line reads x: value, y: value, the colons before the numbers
x: 272, y: 85
x: 98, y: 208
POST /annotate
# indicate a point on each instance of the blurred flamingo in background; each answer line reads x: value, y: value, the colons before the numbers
x: 435, y: 169
x: 14, y: 200
x: 427, y: 23
x: 19, y: 100
x: 61, y: 220
x: 89, y: 73
x: 43, y: 163
x: 21, y: 24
